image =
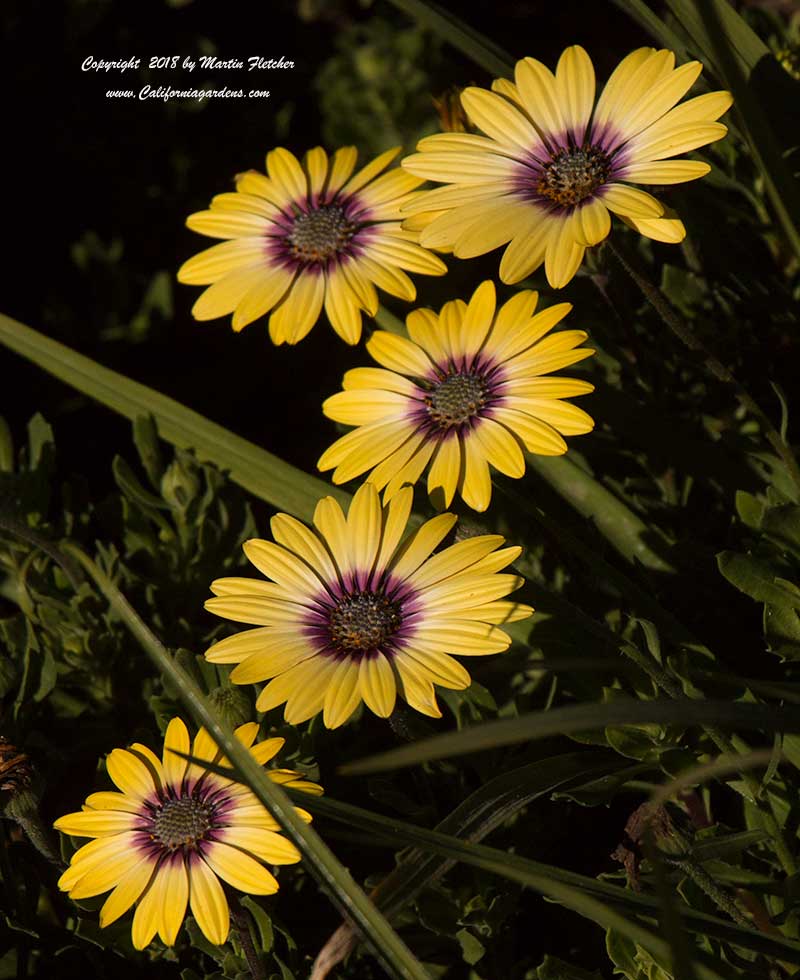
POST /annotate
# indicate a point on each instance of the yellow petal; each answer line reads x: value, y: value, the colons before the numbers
x: 342, y: 164
x: 264, y: 844
x: 538, y: 436
x: 502, y: 222
x: 445, y: 472
x: 207, y: 902
x: 343, y: 695
x: 331, y: 524
x: 540, y: 96
x: 631, y: 202
x: 527, y: 250
x: 215, y: 262
x: 315, y: 163
x: 128, y: 891
x: 594, y: 222
x: 147, y: 915
x: 342, y: 306
x: 499, y: 447
x: 131, y: 774
x: 295, y: 536
x: 223, y: 297
x: 173, y: 882
x: 239, y: 869
x: 287, y: 174
x: 370, y: 171
x: 376, y: 684
x: 301, y: 309
x: 575, y: 90
x: 666, y: 171
x: 282, y: 566
x: 563, y: 255
x: 399, y: 354
x: 500, y: 120
x: 364, y: 525
x: 95, y: 823
x: 263, y: 295
x: 419, y: 545
x: 228, y: 224
x: 476, y: 485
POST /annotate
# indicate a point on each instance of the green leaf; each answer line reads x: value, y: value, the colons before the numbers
x: 782, y: 524
x: 262, y: 474
x: 472, y: 949
x: 756, y: 579
x: 582, y: 717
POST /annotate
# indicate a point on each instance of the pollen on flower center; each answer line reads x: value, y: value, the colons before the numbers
x: 181, y: 823
x: 318, y: 235
x: 363, y: 621
x: 572, y: 175
x: 456, y: 399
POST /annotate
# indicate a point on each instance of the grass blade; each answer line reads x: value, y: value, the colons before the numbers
x: 262, y: 474
x: 578, y: 718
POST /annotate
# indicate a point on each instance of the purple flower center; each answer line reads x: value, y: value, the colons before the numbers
x: 318, y: 235
x: 573, y: 174
x: 456, y: 399
x: 182, y: 823
x: 363, y: 621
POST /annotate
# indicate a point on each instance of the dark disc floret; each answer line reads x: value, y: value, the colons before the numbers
x: 363, y: 621
x: 456, y: 399
x: 182, y: 823
x: 573, y: 174
x: 320, y: 234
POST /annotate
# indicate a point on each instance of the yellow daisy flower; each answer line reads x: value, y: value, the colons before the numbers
x: 357, y: 611
x: 172, y: 832
x: 553, y: 164
x: 304, y: 237
x: 466, y: 390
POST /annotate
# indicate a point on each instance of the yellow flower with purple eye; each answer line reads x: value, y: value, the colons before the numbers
x: 553, y: 165
x: 357, y: 609
x: 308, y: 236
x: 468, y: 388
x: 173, y: 832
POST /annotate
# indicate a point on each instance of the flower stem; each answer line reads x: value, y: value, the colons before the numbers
x: 23, y: 808
x: 241, y: 922
x: 713, y: 365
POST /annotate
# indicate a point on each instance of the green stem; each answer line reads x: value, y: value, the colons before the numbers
x: 241, y: 922
x: 351, y: 901
x: 713, y: 365
x: 706, y: 883
x: 24, y: 533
